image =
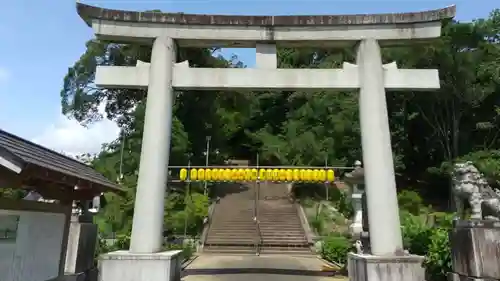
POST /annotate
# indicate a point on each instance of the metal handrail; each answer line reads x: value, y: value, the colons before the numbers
x: 207, y: 226
x: 256, y: 218
x: 259, y: 238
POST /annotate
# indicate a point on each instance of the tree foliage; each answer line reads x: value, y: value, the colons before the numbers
x: 429, y: 129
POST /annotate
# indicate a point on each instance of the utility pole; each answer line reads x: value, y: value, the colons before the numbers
x: 188, y: 189
x: 326, y: 184
x: 207, y: 152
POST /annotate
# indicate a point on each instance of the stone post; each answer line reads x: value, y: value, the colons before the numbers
x: 145, y: 260
x: 387, y: 260
x: 147, y: 225
x: 383, y: 213
x: 82, y: 240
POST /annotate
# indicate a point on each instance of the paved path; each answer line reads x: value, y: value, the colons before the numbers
x: 251, y: 268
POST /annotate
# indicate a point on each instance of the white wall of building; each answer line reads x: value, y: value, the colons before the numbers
x: 35, y: 254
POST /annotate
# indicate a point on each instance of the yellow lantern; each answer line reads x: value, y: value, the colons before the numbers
x: 248, y: 174
x: 201, y: 174
x: 282, y: 175
x: 322, y: 175
x: 193, y: 175
x: 276, y: 175
x: 330, y: 175
x: 289, y: 175
x: 237, y: 174
x: 254, y: 174
x: 232, y: 174
x: 215, y: 174
x: 227, y: 174
x: 208, y: 174
x: 262, y: 174
x: 315, y: 175
x: 220, y: 174
x: 309, y: 175
x: 302, y: 175
x: 183, y: 174
x: 296, y: 175
x: 269, y: 175
x: 240, y: 174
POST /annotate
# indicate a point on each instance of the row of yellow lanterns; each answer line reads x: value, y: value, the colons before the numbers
x: 235, y: 175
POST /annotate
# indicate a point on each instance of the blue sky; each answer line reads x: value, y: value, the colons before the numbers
x: 42, y: 38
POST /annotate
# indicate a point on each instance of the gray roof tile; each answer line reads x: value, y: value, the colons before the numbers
x: 34, y: 154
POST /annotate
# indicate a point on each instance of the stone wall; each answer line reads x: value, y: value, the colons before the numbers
x: 35, y: 253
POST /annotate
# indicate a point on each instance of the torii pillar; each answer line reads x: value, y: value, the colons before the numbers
x: 145, y: 261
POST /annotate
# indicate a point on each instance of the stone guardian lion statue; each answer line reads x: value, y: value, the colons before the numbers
x: 470, y: 185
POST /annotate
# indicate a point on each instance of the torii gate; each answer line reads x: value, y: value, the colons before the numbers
x: 163, y: 75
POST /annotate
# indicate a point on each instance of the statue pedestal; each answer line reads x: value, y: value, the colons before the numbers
x: 475, y: 250
x: 365, y: 267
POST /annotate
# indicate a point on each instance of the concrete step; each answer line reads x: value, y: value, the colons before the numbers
x: 232, y: 226
x: 278, y: 216
x: 233, y: 214
x: 287, y: 242
x: 271, y: 222
x: 281, y: 230
x: 294, y: 251
x: 232, y: 234
x: 229, y: 249
x: 281, y: 227
x: 281, y: 233
x: 231, y: 242
x: 234, y: 223
x: 277, y: 235
x: 218, y: 237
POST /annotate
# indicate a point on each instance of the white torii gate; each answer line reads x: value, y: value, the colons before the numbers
x: 164, y: 75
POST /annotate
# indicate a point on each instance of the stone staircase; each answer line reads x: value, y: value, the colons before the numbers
x: 233, y: 230
x: 280, y: 226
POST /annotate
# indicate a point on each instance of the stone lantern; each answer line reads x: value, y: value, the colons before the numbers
x: 359, y: 225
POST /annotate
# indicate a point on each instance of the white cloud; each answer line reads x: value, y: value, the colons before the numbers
x: 73, y: 139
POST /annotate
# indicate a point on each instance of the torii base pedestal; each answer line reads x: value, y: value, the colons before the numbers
x: 364, y: 267
x: 126, y: 266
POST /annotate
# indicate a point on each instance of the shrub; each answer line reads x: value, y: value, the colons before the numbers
x: 318, y: 224
x: 429, y: 240
x: 344, y: 205
x: 335, y: 249
x: 187, y: 249
x: 410, y: 201
x: 416, y: 234
x: 122, y: 242
x: 442, y: 219
x: 438, y: 259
